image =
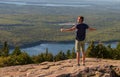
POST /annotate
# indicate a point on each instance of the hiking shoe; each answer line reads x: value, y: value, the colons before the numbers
x: 78, y: 64
x: 83, y: 64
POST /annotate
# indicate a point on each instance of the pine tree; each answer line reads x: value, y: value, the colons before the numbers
x: 90, y: 52
x: 46, y: 51
x: 116, y: 52
x: 60, y: 56
x: 73, y: 54
x: 39, y: 58
x: 5, y: 49
x: 68, y: 54
x: 16, y: 51
x: 0, y: 52
x: 101, y: 51
x: 118, y: 46
x: 48, y: 56
x: 110, y: 51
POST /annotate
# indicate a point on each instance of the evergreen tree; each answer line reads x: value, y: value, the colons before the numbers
x: 0, y: 52
x: 115, y: 52
x: 60, y: 56
x: 16, y: 51
x: 68, y: 54
x: 118, y: 51
x: 39, y: 58
x: 48, y: 56
x: 73, y: 54
x: 90, y: 52
x: 5, y: 49
x: 43, y: 57
x: 101, y: 51
x: 109, y: 46
x: 23, y: 58
x: 46, y: 51
x: 110, y: 51
x: 118, y: 46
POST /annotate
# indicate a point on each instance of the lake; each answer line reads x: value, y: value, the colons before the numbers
x: 54, y: 48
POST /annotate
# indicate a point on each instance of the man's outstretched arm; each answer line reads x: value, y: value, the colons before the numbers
x: 91, y: 29
x: 68, y: 29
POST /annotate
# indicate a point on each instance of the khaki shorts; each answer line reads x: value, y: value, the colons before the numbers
x: 79, y: 46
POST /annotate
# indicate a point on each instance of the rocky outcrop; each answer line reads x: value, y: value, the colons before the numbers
x: 65, y: 68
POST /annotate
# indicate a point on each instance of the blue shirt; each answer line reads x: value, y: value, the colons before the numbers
x: 81, y: 31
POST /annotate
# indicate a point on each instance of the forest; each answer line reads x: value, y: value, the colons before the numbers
x: 18, y: 57
x: 20, y: 26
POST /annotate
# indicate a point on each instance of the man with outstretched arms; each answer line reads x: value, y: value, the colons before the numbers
x: 80, y: 29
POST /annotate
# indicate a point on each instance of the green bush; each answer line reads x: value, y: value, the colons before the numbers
x: 100, y: 51
x: 7, y: 61
x: 115, y: 54
x: 60, y: 56
x: 118, y: 46
x: 73, y: 54
x: 43, y: 57
x: 24, y: 58
x: 38, y: 59
x: 68, y: 54
x: 21, y: 59
x: 4, y: 61
x: 16, y: 51
x: 90, y: 52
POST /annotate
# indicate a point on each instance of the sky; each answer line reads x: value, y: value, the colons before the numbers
x: 62, y: 0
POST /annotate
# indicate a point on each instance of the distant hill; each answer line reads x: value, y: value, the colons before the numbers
x: 42, y: 22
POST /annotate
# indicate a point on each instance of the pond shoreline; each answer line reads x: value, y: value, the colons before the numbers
x: 27, y: 45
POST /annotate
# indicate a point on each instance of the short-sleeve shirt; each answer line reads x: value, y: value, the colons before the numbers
x: 81, y: 31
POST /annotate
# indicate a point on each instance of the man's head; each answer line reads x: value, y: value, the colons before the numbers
x: 80, y: 19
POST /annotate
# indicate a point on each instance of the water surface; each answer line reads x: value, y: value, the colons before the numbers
x: 54, y: 48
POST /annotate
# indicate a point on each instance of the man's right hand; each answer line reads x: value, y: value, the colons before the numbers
x: 61, y: 29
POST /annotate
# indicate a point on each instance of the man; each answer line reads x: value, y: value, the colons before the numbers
x: 80, y: 28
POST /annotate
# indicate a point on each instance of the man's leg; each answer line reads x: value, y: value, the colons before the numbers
x: 82, y: 45
x: 77, y: 48
x: 78, y: 57
x: 83, y: 57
